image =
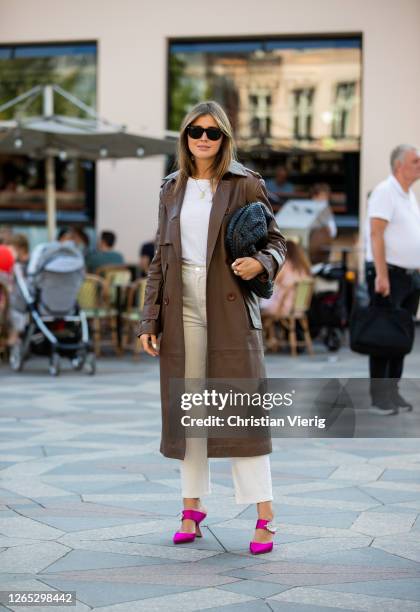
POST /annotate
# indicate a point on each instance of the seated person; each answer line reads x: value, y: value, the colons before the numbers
x: 81, y: 239
x: 295, y: 268
x: 105, y: 254
x: 280, y: 182
x: 147, y: 251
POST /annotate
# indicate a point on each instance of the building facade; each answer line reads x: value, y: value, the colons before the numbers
x: 364, y: 107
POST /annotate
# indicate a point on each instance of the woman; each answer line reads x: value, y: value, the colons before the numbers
x: 210, y: 323
x: 296, y: 268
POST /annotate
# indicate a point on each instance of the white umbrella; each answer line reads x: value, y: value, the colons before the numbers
x: 51, y: 135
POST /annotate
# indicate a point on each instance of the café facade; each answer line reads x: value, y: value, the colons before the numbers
x: 324, y: 89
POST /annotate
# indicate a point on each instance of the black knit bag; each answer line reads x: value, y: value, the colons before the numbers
x: 246, y: 234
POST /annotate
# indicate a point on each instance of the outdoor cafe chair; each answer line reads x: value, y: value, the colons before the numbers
x: 299, y: 313
x: 131, y: 316
x: 94, y: 300
x: 118, y: 278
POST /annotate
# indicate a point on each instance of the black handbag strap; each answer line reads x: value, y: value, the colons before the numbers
x: 382, y: 301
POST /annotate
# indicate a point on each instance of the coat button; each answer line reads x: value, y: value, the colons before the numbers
x: 166, y: 301
x: 231, y: 297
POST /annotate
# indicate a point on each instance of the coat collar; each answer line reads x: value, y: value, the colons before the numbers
x: 235, y: 167
x: 218, y: 211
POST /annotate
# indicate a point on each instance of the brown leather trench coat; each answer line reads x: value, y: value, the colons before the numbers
x: 234, y: 329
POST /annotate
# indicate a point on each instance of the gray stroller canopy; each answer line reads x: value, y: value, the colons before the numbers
x: 58, y: 257
x: 56, y: 273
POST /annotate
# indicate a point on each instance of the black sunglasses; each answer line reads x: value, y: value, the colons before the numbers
x: 196, y: 131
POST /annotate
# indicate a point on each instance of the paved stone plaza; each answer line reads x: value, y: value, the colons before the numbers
x: 89, y: 504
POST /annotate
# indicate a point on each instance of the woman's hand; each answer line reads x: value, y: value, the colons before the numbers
x: 247, y: 267
x: 151, y: 348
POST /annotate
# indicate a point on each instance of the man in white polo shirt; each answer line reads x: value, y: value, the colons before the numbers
x: 393, y: 261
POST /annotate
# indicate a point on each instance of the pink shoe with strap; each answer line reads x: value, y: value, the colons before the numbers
x: 258, y: 548
x: 182, y: 537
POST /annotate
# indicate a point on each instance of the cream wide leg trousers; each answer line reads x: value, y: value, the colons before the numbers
x: 251, y: 475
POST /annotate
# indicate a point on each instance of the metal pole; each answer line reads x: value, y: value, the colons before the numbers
x: 48, y: 111
x: 51, y: 196
x: 363, y: 227
x: 47, y: 100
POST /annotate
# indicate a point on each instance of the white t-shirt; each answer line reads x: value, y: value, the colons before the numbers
x: 194, y: 221
x: 389, y: 201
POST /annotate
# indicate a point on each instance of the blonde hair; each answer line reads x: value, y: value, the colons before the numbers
x: 297, y: 257
x: 226, y: 153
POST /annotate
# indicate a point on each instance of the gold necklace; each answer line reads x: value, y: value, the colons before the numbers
x: 202, y: 193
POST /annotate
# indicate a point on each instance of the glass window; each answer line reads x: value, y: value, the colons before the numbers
x: 294, y: 104
x: 280, y: 93
x: 22, y: 180
x: 260, y: 114
x: 302, y: 113
x: 73, y: 67
x: 344, y: 110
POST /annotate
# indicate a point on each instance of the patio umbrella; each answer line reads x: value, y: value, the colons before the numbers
x: 50, y: 135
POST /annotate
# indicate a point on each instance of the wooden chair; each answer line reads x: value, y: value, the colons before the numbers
x: 94, y: 300
x: 302, y: 300
x: 303, y: 297
x: 132, y: 315
x: 118, y: 278
x: 4, y: 319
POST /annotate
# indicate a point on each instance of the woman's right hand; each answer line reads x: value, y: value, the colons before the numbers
x: 382, y: 285
x: 149, y: 344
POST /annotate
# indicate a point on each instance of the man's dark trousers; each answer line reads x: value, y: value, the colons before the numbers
x: 405, y: 294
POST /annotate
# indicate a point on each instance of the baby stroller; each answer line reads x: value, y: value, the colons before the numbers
x: 55, y: 325
x: 330, y: 309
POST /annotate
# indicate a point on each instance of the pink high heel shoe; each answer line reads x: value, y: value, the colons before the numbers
x: 182, y: 537
x: 258, y: 548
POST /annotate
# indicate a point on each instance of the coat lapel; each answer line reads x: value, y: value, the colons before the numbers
x: 174, y: 206
x: 220, y: 204
x: 219, y: 207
